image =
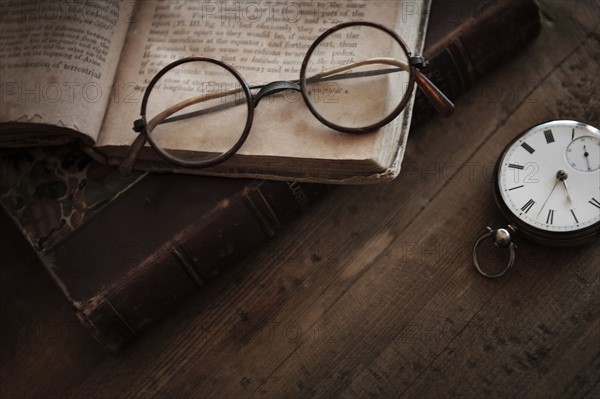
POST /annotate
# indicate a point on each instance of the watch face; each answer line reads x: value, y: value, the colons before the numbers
x: 549, y: 177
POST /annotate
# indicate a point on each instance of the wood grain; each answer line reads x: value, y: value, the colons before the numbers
x: 372, y: 293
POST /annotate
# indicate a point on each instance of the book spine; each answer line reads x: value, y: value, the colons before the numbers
x: 476, y: 49
x: 183, y: 265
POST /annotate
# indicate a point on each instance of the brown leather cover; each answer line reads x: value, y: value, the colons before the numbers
x: 126, y: 256
x: 466, y: 40
x: 162, y: 241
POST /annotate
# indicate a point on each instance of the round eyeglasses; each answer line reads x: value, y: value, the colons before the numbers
x: 350, y: 85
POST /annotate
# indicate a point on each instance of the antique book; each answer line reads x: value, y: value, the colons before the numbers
x: 126, y: 250
x: 80, y: 70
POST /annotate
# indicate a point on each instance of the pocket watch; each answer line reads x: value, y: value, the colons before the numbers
x: 547, y: 185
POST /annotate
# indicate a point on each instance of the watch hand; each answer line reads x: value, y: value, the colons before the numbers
x: 547, y: 198
x: 569, y: 196
x: 562, y: 176
x: 586, y: 154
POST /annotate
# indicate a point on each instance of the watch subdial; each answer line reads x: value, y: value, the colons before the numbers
x: 583, y: 153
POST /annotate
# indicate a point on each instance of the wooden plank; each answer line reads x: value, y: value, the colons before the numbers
x: 233, y: 361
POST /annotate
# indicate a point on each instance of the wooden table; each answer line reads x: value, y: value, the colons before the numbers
x: 372, y: 293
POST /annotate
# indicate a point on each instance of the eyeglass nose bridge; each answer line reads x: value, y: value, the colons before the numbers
x: 273, y: 88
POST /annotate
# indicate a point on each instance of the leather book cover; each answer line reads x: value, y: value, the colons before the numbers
x: 126, y: 251
x: 466, y: 40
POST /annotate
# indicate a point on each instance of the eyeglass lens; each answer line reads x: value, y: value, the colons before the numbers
x: 206, y: 123
x: 355, y: 82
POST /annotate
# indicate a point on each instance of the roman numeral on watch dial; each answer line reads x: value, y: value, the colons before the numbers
x: 550, y: 217
x: 574, y: 217
x: 528, y: 148
x: 527, y: 207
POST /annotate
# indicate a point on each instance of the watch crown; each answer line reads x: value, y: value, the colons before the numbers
x: 502, y: 238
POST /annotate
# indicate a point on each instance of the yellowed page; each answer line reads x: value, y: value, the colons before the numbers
x: 58, y: 61
x: 265, y: 41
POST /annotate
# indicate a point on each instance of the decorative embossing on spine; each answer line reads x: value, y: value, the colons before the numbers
x: 298, y: 193
x: 262, y: 211
x: 187, y: 264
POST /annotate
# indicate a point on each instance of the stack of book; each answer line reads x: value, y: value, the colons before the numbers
x: 127, y: 250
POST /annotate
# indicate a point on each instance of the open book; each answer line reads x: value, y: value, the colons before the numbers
x: 79, y: 70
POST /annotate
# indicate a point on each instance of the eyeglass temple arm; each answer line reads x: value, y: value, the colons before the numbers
x: 136, y: 147
x: 371, y: 61
x: 127, y: 163
x: 440, y: 102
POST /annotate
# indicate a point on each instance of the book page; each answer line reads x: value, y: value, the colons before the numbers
x: 264, y: 41
x: 58, y: 61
